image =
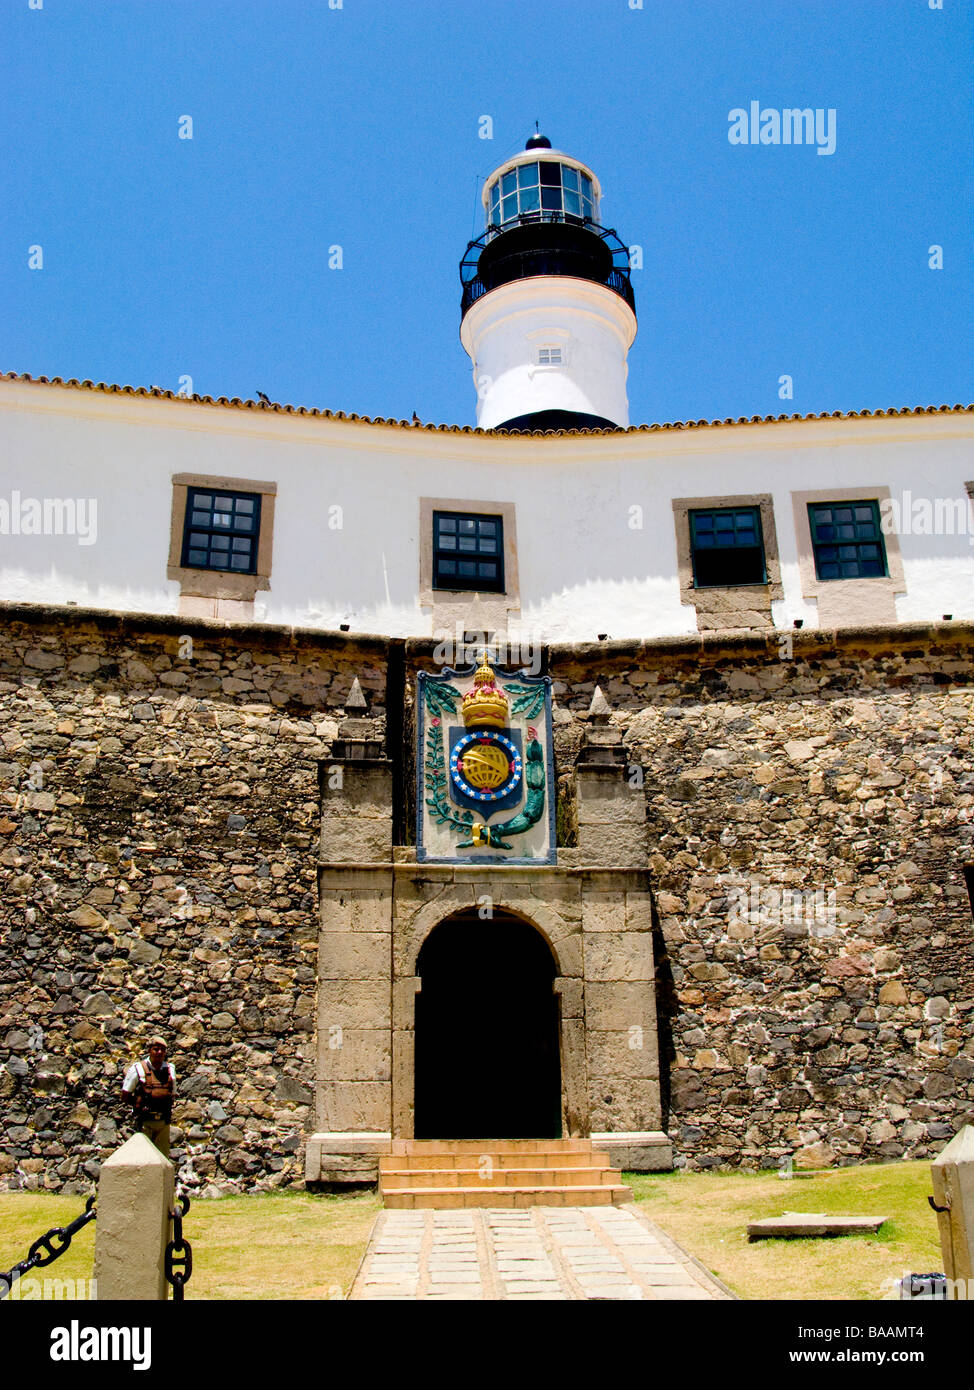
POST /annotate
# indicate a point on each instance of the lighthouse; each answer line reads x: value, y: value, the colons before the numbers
x: 547, y: 312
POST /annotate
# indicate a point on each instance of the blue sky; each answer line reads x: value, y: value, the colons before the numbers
x: 358, y: 127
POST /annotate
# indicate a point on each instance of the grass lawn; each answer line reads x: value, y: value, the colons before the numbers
x: 296, y: 1246
x: 283, y: 1245
x: 708, y: 1214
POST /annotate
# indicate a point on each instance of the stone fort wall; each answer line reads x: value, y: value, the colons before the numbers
x: 161, y: 877
x: 159, y: 838
x: 835, y: 1025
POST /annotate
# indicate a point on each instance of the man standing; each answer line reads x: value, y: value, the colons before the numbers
x: 149, y: 1086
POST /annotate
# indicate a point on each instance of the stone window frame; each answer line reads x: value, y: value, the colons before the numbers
x: 771, y: 590
x: 846, y: 591
x: 219, y: 584
x: 510, y: 597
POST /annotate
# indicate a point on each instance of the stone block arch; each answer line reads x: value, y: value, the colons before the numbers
x: 561, y: 931
x: 555, y: 928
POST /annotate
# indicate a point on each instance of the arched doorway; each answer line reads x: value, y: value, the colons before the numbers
x: 487, y: 1058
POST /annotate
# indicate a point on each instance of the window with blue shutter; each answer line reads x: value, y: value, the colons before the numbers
x: 468, y: 552
x: 727, y: 547
x: 221, y: 530
x: 847, y: 540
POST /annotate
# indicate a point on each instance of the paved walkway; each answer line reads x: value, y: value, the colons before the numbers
x: 537, y: 1253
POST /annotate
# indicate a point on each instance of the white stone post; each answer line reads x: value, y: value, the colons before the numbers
x: 953, y: 1188
x: 135, y: 1197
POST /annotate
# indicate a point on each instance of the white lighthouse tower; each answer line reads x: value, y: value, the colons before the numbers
x: 548, y: 309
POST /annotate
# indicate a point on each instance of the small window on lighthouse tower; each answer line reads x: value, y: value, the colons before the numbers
x: 549, y: 357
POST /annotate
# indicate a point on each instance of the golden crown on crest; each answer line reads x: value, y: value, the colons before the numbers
x: 485, y: 705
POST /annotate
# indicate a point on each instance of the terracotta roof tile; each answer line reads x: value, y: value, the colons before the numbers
x: 235, y: 403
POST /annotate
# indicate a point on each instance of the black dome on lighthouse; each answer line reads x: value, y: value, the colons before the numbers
x: 538, y: 142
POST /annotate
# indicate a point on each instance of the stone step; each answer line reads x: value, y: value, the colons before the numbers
x: 413, y: 1177
x: 583, y: 1158
x: 491, y: 1146
x: 453, y: 1198
x: 447, y: 1173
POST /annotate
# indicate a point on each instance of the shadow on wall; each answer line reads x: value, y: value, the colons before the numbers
x: 667, y: 1007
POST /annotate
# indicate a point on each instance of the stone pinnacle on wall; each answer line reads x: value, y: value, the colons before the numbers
x: 358, y: 734
x: 356, y: 699
x: 599, y: 711
x: 603, y: 742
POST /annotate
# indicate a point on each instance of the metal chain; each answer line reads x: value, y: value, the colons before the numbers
x: 179, y: 1252
x: 48, y: 1247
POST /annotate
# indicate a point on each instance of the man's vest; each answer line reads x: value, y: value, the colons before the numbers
x: 154, y: 1097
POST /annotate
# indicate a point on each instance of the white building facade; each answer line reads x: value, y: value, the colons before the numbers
x: 595, y: 527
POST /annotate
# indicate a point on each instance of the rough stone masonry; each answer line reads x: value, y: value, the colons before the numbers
x: 159, y: 840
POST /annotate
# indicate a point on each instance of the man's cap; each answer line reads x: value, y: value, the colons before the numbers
x: 159, y: 1042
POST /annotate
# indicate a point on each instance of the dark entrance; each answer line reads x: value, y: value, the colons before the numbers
x: 487, y: 1064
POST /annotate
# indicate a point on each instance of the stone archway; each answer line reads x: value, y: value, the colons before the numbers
x: 561, y: 930
x: 487, y: 1053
